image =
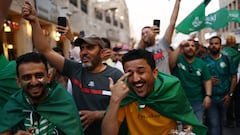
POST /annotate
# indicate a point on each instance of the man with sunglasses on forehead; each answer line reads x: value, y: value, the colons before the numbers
x: 194, y: 76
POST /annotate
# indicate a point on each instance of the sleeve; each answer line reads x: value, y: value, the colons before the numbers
x: 206, y: 72
x: 71, y: 68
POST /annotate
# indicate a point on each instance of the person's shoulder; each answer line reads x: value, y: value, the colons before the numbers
x: 199, y: 60
x: 113, y: 69
x: 167, y: 76
x: 113, y: 72
x: 206, y: 58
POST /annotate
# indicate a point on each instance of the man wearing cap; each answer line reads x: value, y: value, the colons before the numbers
x: 119, y: 51
x: 89, y: 79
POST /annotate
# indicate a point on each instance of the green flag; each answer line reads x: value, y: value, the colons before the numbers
x: 218, y: 19
x: 59, y: 108
x: 234, y: 15
x: 8, y: 84
x: 195, y: 20
x: 168, y: 99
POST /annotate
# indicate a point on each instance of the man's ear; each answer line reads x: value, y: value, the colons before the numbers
x: 49, y: 77
x: 102, y: 52
x: 155, y: 72
x: 18, y: 80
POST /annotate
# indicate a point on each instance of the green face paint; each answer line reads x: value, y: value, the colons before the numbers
x: 29, y: 78
x: 24, y: 83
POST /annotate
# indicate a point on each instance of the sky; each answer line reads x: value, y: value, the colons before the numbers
x: 143, y: 12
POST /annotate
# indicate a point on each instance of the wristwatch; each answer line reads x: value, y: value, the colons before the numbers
x: 230, y: 94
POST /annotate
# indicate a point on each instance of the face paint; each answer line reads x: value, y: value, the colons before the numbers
x: 27, y: 80
x: 42, y: 80
x: 24, y: 83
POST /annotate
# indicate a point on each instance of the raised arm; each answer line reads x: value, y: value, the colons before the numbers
x: 39, y: 40
x: 169, y: 32
x: 110, y: 124
x: 4, y: 6
x: 174, y: 55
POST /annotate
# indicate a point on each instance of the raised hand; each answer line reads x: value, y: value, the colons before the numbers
x: 66, y: 31
x: 22, y: 132
x: 120, y: 88
x: 28, y: 11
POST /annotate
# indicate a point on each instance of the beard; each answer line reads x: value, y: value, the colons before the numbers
x: 214, y: 51
x: 43, y: 93
x: 149, y: 42
x: 92, y: 64
x: 188, y: 56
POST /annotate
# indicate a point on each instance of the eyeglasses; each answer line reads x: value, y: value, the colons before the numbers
x: 190, y: 69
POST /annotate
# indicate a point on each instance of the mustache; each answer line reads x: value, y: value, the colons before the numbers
x: 140, y: 81
x: 39, y: 85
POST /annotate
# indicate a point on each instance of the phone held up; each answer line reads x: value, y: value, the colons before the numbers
x: 156, y: 24
x: 62, y: 21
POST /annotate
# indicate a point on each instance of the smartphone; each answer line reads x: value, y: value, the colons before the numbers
x: 62, y: 21
x: 156, y: 23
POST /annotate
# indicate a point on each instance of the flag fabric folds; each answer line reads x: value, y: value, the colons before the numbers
x: 168, y: 98
x: 234, y: 15
x: 217, y: 20
x: 194, y: 21
x: 197, y: 20
x: 58, y: 103
x: 8, y: 84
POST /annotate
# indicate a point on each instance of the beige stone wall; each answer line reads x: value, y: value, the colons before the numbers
x: 78, y: 21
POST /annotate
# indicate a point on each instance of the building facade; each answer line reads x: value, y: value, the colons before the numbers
x: 232, y: 27
x: 105, y: 18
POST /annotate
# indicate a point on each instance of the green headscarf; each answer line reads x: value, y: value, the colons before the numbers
x: 168, y: 99
x: 8, y: 84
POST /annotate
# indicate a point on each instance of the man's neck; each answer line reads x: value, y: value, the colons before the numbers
x: 37, y: 101
x: 216, y: 56
x: 189, y: 59
x: 101, y: 67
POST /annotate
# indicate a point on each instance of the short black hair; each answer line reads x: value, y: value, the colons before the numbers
x: 139, y: 54
x: 107, y: 42
x: 1, y: 48
x: 217, y: 38
x: 31, y: 57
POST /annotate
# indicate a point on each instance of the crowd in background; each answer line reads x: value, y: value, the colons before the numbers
x: 104, y: 89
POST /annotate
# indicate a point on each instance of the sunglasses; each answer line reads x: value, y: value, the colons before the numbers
x: 190, y: 69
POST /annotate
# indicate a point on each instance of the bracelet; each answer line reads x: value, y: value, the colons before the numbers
x: 210, y: 96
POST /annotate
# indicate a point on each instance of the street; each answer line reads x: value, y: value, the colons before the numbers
x: 231, y: 131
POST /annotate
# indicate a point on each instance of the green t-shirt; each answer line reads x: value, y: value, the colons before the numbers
x: 233, y: 54
x: 222, y: 70
x: 192, y: 77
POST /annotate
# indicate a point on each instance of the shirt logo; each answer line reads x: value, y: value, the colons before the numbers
x: 223, y: 64
x: 91, y: 84
x: 158, y: 55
